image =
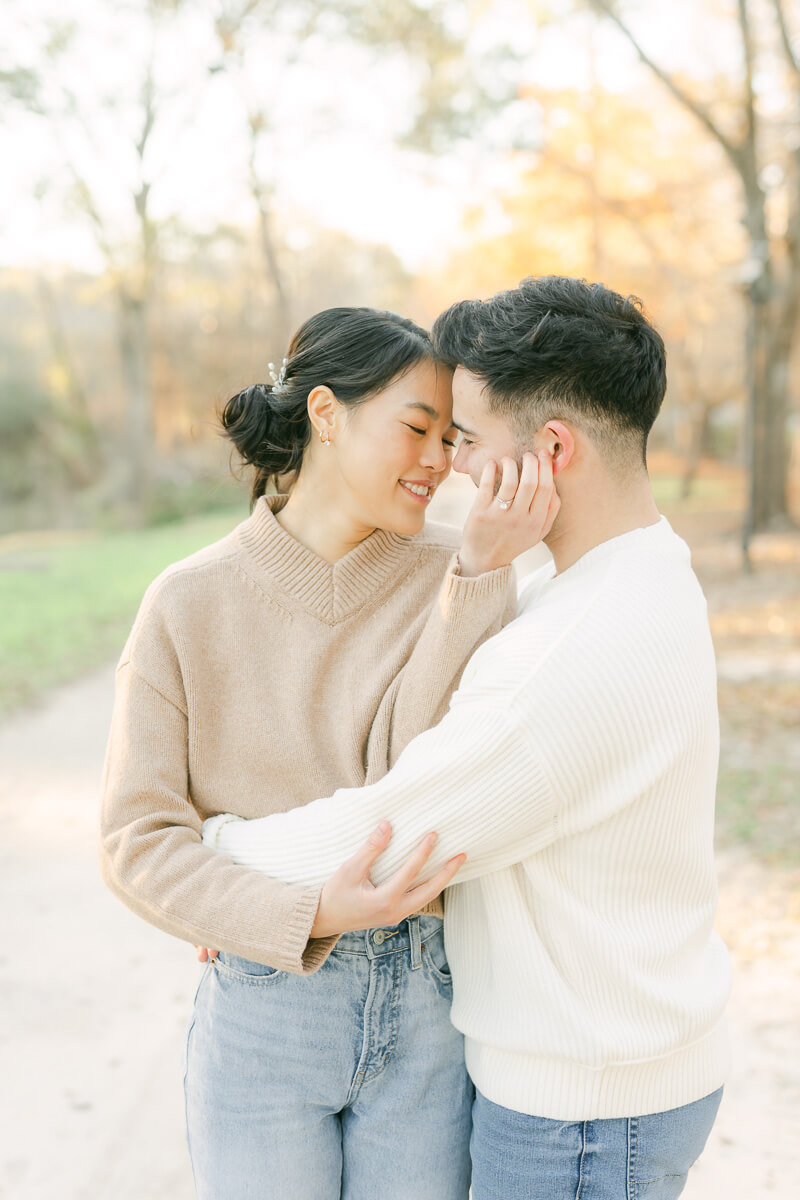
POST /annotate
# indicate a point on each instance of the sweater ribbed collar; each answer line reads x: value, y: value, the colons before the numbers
x: 330, y: 591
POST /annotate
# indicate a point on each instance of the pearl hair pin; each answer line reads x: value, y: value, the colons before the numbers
x: 277, y: 377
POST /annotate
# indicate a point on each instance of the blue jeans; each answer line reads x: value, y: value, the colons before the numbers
x: 346, y: 1083
x: 518, y: 1157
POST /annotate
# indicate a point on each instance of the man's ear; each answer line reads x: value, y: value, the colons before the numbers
x: 322, y: 409
x: 559, y: 441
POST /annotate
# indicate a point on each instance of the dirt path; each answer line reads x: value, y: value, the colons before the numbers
x: 95, y: 1002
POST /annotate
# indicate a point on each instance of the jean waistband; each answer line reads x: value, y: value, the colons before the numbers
x: 392, y: 939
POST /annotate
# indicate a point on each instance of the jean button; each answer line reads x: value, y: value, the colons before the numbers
x: 379, y: 938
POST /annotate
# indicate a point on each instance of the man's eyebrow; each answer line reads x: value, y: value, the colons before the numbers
x: 464, y: 430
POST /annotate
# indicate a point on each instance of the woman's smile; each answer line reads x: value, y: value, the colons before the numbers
x: 420, y: 490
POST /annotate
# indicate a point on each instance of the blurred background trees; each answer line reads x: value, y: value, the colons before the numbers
x: 182, y: 183
x: 202, y: 161
x: 754, y: 118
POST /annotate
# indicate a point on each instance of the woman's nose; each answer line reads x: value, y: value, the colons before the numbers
x: 434, y: 456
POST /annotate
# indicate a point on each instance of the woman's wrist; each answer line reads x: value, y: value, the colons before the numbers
x: 319, y: 929
x: 470, y: 565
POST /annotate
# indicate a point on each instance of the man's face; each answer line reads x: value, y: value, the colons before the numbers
x: 484, y: 435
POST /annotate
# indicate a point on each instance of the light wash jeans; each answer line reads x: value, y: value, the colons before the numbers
x: 346, y: 1083
x: 518, y: 1157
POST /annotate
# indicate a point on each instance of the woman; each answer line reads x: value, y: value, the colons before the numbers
x: 300, y: 653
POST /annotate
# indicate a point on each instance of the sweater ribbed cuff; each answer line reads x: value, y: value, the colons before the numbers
x: 458, y: 590
x: 311, y: 952
x: 301, y: 954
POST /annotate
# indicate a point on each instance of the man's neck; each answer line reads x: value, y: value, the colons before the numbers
x: 596, y: 516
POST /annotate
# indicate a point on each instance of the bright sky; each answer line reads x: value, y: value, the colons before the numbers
x: 332, y: 157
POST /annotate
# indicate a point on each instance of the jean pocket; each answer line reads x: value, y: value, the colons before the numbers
x: 245, y: 970
x: 663, y: 1147
x: 435, y: 958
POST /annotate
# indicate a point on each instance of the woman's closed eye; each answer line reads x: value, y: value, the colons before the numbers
x: 422, y: 433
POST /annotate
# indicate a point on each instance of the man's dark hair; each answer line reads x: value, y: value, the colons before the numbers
x: 556, y: 347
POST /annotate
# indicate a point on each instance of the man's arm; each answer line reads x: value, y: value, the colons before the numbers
x: 474, y: 779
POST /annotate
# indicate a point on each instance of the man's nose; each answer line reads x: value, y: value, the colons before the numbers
x: 459, y: 462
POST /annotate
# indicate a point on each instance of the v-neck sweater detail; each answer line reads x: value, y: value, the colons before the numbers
x: 332, y: 592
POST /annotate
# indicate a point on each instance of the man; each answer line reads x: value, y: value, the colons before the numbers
x: 576, y: 770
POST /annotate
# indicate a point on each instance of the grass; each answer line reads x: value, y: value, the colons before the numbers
x: 759, y: 807
x: 68, y: 602
x: 758, y: 797
x: 707, y: 492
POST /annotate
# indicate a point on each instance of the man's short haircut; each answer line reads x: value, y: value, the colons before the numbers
x: 562, y: 348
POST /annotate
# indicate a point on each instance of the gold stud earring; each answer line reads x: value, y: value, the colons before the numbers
x: 324, y: 437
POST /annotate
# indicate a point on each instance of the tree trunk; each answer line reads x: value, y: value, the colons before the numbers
x: 771, y: 331
x: 136, y: 481
x: 774, y: 491
x: 699, y: 444
x: 80, y: 451
x: 280, y: 335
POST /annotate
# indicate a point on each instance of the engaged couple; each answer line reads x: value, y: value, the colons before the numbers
x: 446, y: 850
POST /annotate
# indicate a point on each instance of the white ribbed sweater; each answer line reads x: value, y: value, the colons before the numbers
x: 576, y: 768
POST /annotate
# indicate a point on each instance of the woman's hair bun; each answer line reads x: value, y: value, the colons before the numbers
x: 353, y: 351
x: 268, y: 433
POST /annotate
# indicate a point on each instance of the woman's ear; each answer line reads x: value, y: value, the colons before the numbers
x: 559, y: 441
x: 322, y: 410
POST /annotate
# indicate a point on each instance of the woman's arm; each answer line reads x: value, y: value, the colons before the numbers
x: 150, y: 849
x: 465, y: 613
x: 476, y: 600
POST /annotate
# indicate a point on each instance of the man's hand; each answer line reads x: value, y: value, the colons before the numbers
x: 350, y: 900
x: 501, y: 527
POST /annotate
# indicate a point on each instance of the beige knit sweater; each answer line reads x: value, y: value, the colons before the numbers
x: 256, y: 672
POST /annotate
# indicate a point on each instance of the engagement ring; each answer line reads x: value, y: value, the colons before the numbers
x: 504, y: 504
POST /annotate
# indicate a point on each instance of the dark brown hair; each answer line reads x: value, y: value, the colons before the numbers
x: 354, y: 351
x: 561, y: 347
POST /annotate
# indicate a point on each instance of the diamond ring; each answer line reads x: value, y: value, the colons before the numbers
x: 504, y: 504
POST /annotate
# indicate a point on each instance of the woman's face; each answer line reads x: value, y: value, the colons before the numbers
x: 392, y: 452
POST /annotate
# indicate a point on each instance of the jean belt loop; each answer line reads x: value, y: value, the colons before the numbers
x: 415, y: 943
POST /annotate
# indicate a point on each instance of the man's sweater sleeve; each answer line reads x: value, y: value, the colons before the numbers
x: 474, y: 779
x: 150, y: 849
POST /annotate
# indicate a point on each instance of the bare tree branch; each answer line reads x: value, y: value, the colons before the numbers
x: 607, y: 9
x: 749, y: 98
x: 87, y: 201
x: 780, y: 16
